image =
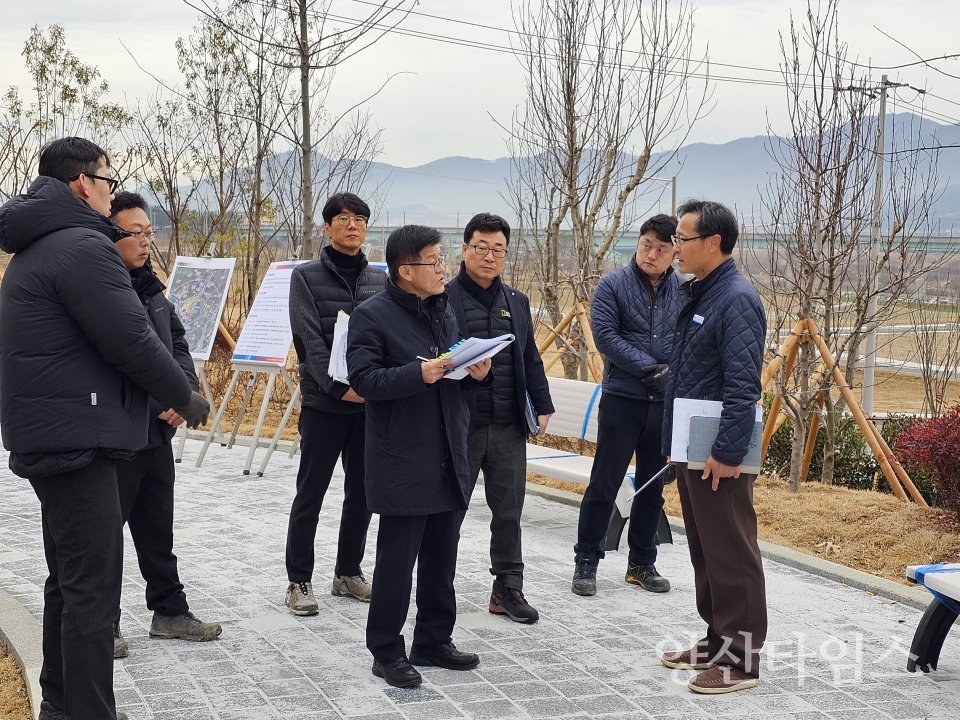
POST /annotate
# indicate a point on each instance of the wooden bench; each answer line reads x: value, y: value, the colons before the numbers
x: 944, y: 582
x: 576, y: 404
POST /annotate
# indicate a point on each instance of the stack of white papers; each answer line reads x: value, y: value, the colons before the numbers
x: 338, y: 353
x: 473, y: 350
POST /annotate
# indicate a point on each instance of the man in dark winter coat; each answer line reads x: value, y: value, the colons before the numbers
x: 485, y: 308
x: 331, y: 414
x: 146, y: 482
x: 78, y: 360
x: 417, y: 474
x: 718, y: 355
x: 633, y: 315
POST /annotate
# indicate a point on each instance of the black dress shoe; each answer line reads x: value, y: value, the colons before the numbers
x: 399, y: 673
x: 445, y: 656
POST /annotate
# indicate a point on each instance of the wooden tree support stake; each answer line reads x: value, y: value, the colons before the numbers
x: 594, y: 361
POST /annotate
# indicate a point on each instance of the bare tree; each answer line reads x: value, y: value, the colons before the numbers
x: 818, y: 261
x: 313, y: 41
x: 609, y: 84
x: 936, y: 333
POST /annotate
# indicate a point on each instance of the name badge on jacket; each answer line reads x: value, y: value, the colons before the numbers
x: 698, y: 319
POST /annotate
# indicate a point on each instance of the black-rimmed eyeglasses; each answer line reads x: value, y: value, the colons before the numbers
x: 113, y: 183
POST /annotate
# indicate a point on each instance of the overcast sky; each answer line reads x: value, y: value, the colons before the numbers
x: 442, y: 104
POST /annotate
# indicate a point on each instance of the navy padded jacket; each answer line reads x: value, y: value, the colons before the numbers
x: 718, y: 355
x: 633, y: 329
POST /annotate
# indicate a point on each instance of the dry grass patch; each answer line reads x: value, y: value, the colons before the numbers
x: 861, y: 529
x: 14, y: 704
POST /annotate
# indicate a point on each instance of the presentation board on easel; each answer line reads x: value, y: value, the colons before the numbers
x: 198, y: 289
x: 262, y: 347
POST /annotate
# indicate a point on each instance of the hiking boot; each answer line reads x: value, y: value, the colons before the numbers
x: 399, y: 673
x: 722, y: 679
x: 120, y: 647
x: 585, y: 574
x: 510, y: 602
x: 647, y: 577
x: 685, y: 660
x: 445, y: 656
x: 183, y: 627
x: 354, y: 586
x: 300, y: 599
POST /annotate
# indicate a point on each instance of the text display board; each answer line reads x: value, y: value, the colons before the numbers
x: 198, y: 290
x: 266, y: 335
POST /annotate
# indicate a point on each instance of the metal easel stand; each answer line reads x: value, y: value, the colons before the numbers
x: 294, y: 403
x: 208, y: 394
x: 254, y: 369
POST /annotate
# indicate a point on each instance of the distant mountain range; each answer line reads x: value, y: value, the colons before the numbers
x: 448, y: 191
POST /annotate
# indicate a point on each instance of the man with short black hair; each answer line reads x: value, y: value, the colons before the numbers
x: 78, y: 362
x: 633, y: 315
x: 718, y: 355
x: 486, y: 307
x: 417, y: 475
x: 146, y: 481
x: 331, y: 413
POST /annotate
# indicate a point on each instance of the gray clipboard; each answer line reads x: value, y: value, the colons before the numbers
x: 703, y: 434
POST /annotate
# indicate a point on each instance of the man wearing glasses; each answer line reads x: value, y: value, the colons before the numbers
x: 633, y: 314
x: 417, y: 475
x: 486, y: 307
x: 718, y: 355
x: 332, y: 413
x: 146, y: 481
x: 78, y: 363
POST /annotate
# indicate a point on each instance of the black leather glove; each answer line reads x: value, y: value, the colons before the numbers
x: 656, y: 377
x: 196, y: 412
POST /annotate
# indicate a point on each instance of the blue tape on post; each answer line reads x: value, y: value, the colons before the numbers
x: 921, y: 572
x: 586, y: 416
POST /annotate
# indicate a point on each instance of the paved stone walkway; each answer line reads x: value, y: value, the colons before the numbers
x: 836, y: 652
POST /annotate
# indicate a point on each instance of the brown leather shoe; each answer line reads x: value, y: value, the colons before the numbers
x: 683, y: 660
x: 721, y: 679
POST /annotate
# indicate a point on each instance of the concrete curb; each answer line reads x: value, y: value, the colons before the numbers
x: 914, y: 597
x: 21, y: 636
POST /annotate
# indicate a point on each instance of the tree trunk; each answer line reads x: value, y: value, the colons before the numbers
x: 796, y: 451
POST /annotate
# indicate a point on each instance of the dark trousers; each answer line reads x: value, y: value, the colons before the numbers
x: 146, y: 502
x: 430, y: 542
x: 325, y: 437
x: 83, y: 545
x: 500, y: 451
x: 721, y: 531
x: 625, y: 426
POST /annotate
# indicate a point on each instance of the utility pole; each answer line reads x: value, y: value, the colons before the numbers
x: 673, y: 196
x: 306, y: 144
x: 870, y: 354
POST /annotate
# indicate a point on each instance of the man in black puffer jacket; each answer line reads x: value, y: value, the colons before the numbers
x: 78, y: 360
x: 417, y: 474
x: 146, y: 482
x: 331, y: 414
x: 718, y: 355
x: 633, y: 314
x: 486, y: 307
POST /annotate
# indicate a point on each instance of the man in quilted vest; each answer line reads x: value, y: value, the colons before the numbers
x: 718, y: 355
x: 633, y: 314
x: 332, y: 413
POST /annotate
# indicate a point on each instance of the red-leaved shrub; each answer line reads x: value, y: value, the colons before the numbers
x: 934, y: 444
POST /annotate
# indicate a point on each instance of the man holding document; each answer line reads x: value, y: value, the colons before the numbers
x: 487, y: 307
x: 718, y: 355
x: 416, y: 454
x: 331, y: 416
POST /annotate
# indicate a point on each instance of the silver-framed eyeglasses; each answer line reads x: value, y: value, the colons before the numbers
x: 143, y: 235
x: 438, y: 265
x: 483, y: 250
x: 344, y: 220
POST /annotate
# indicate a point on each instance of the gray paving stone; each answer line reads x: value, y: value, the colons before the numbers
x: 587, y: 657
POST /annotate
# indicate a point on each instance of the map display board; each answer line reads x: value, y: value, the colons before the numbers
x: 266, y: 335
x: 198, y: 289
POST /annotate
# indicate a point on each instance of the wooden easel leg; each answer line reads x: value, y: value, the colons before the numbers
x: 251, y: 385
x: 294, y: 401
x: 216, y: 419
x: 259, y: 426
